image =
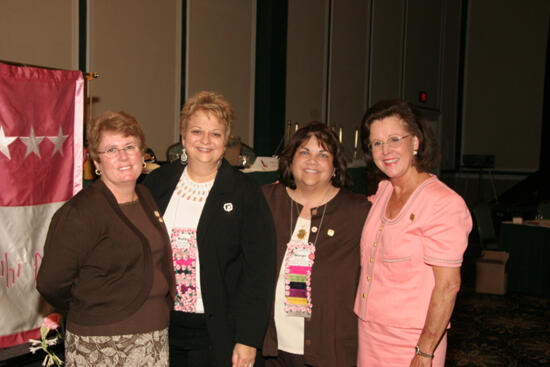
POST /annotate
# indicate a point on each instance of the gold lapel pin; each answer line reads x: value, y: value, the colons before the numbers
x: 330, y: 232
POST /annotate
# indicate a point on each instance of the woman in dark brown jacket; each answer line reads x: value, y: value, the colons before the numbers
x: 318, y: 225
x: 107, y: 258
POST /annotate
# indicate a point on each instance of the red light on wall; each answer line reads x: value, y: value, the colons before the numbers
x: 422, y: 97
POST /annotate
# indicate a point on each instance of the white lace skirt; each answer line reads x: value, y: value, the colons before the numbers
x: 135, y: 350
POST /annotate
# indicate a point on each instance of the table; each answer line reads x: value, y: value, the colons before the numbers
x: 528, y: 266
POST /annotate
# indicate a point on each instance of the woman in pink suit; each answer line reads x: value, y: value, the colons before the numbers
x: 411, y: 246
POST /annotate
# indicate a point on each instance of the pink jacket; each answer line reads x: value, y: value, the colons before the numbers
x: 397, y: 254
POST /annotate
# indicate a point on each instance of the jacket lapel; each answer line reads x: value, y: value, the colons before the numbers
x: 223, y: 186
x: 154, y: 215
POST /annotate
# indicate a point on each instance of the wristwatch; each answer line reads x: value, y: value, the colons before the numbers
x: 421, y: 353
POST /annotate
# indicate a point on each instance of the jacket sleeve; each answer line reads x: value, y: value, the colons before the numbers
x: 153, y: 181
x: 256, y: 287
x: 68, y: 237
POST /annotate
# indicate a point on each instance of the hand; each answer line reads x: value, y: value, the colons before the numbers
x: 243, y: 356
x: 419, y: 361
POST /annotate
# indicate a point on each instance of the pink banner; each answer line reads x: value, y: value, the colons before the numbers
x: 41, y: 147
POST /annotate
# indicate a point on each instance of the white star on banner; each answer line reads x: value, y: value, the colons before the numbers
x: 5, y: 142
x: 32, y: 142
x: 58, y: 141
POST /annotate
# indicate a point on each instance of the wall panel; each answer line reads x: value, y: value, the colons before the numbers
x: 135, y: 48
x: 348, y: 68
x: 505, y: 66
x: 386, y: 52
x: 306, y: 71
x: 422, y: 52
x: 42, y: 33
x: 221, y: 55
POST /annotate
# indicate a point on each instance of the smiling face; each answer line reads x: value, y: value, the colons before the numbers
x: 396, y: 161
x: 204, y: 139
x: 312, y: 165
x: 125, y: 166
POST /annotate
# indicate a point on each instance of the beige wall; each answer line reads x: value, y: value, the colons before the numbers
x: 135, y: 46
x: 386, y: 40
x: 504, y: 83
x: 306, y: 66
x: 348, y: 69
x: 327, y: 61
x: 415, y: 46
x: 450, y: 79
x: 221, y: 47
x: 41, y: 33
x: 369, y: 51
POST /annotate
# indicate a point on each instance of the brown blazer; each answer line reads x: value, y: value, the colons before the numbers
x: 97, y: 265
x: 331, y: 333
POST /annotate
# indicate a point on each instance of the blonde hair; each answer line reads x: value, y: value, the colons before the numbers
x: 209, y: 102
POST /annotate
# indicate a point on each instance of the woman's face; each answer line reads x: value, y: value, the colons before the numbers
x: 204, y: 139
x: 392, y: 147
x: 312, y: 165
x: 123, y: 165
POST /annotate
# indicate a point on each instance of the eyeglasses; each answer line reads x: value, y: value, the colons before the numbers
x: 113, y: 152
x: 392, y: 142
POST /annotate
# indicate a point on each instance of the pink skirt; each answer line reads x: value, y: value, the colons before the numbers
x: 381, y: 345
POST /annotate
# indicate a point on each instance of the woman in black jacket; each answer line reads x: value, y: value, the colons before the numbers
x: 223, y: 244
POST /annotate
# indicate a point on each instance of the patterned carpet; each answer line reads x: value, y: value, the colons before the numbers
x: 490, y: 330
x: 487, y: 331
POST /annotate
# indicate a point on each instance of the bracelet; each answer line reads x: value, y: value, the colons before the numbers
x: 421, y: 353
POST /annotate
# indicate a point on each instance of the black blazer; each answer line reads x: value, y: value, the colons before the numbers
x: 236, y: 243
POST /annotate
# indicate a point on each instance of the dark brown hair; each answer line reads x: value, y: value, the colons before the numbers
x: 428, y: 156
x: 328, y: 140
x: 117, y: 122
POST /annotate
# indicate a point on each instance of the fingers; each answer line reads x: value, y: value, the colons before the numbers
x: 243, y: 356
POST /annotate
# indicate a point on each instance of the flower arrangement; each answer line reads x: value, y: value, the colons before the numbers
x: 51, y: 322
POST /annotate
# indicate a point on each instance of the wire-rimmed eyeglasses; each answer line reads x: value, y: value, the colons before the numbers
x: 113, y: 152
x: 392, y: 142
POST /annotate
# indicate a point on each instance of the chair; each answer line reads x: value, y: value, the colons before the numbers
x: 484, y: 220
x: 173, y: 152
